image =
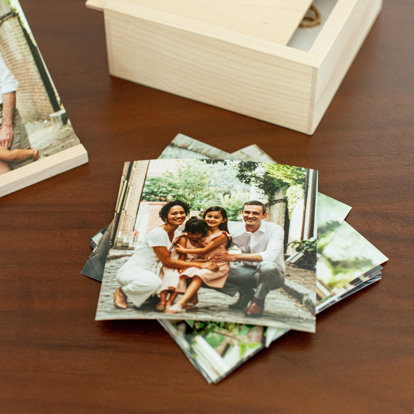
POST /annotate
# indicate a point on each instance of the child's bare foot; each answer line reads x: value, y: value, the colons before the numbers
x: 176, y: 308
x: 120, y: 299
x: 160, y: 306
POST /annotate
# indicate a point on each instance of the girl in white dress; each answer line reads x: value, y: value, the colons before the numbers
x: 138, y: 277
x: 172, y: 283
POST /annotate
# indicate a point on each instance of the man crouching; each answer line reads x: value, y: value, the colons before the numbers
x: 260, y: 266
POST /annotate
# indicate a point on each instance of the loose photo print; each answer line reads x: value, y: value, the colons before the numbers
x: 217, y: 348
x: 37, y: 140
x: 210, y: 240
x: 347, y: 260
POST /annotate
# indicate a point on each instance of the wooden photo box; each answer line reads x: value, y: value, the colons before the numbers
x: 247, y: 56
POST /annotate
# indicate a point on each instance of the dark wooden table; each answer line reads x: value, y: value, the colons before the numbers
x: 55, y: 358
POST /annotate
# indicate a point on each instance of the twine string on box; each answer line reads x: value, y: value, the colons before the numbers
x: 313, y: 18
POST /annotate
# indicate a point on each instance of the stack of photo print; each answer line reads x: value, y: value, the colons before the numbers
x: 324, y: 259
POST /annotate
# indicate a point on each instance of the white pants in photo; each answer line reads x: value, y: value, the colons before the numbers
x: 137, y: 284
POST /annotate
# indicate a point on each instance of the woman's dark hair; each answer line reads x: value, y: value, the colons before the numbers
x: 167, y: 207
x: 223, y: 226
x: 195, y: 225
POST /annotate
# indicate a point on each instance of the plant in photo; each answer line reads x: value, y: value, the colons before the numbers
x: 233, y: 204
x: 273, y: 179
x: 308, y: 249
x: 199, y: 184
x: 215, y: 334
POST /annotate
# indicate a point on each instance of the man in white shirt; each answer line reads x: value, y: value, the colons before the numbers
x: 13, y: 134
x: 260, y: 266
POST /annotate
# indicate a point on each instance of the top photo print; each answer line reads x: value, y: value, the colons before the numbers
x: 212, y: 240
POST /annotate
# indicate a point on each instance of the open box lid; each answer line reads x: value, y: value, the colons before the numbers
x: 272, y: 20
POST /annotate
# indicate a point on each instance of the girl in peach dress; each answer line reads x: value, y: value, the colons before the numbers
x: 217, y: 241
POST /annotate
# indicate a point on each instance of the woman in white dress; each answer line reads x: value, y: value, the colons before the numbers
x: 138, y: 277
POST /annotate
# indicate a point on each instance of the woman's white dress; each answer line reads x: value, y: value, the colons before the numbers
x: 138, y: 277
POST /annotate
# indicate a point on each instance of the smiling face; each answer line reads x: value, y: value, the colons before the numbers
x: 176, y: 215
x: 253, y: 215
x: 214, y: 218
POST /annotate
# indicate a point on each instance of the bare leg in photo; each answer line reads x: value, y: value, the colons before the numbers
x: 162, y: 302
x: 171, y: 299
x: 4, y: 168
x: 188, y: 295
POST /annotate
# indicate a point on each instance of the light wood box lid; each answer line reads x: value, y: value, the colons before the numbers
x: 271, y: 20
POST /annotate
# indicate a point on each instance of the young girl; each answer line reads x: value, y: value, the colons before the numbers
x: 172, y: 283
x: 218, y: 240
x: 16, y: 155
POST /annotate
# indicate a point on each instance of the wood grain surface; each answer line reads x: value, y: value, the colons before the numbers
x: 56, y: 359
x: 274, y: 20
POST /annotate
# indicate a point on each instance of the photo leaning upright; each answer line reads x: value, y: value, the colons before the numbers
x: 37, y: 140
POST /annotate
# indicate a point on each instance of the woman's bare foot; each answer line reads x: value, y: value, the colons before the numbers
x: 120, y: 299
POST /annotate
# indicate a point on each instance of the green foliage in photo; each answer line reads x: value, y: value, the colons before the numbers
x: 344, y: 271
x: 275, y: 178
x: 201, y: 185
x: 204, y: 183
x: 325, y: 233
x: 214, y: 333
x: 308, y: 248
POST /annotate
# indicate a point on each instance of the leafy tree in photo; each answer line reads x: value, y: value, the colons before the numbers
x: 273, y: 178
x: 287, y: 175
x: 201, y: 185
x: 233, y: 204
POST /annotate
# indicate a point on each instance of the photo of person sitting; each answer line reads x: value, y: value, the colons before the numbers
x: 216, y: 242
x: 139, y: 276
x: 260, y: 266
x: 15, y: 148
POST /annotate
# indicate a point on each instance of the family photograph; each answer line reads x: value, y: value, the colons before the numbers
x: 211, y: 240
